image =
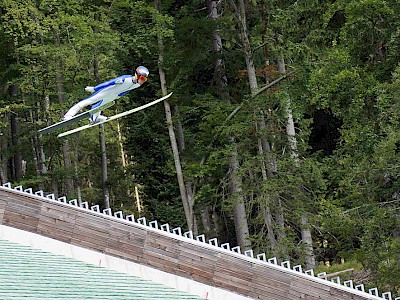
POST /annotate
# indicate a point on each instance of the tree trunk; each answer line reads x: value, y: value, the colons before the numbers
x: 41, y: 157
x: 69, y: 185
x: 306, y: 235
x: 179, y: 129
x: 3, y: 151
x: 269, y: 224
x: 181, y: 147
x: 102, y: 140
x: 54, y: 188
x: 76, y: 172
x: 239, y: 209
x: 290, y: 131
x: 60, y: 93
x: 37, y: 152
x: 264, y: 38
x: 178, y: 167
x: 251, y: 71
x: 235, y: 180
x: 16, y: 141
x: 307, y: 240
x: 106, y: 192
x: 397, y: 233
x: 216, y: 221
x: 267, y: 160
x: 206, y: 221
x: 187, y: 205
x: 121, y: 146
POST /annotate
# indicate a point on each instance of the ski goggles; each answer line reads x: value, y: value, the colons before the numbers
x: 143, y: 78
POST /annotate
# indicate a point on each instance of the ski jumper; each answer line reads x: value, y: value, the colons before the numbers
x: 104, y: 93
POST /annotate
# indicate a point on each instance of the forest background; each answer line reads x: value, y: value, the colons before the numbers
x: 282, y: 134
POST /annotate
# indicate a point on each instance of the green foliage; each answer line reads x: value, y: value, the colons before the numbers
x: 380, y: 252
x: 342, y: 267
x: 367, y: 28
x: 344, y: 58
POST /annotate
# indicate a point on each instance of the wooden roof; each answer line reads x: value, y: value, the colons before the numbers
x: 167, y: 249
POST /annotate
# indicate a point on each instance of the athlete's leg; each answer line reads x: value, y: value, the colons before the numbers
x: 99, y: 98
x: 97, y: 117
x: 81, y: 104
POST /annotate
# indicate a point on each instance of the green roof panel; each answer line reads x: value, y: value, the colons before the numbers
x: 27, y: 273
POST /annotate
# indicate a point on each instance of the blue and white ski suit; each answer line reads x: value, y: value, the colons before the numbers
x: 104, y: 93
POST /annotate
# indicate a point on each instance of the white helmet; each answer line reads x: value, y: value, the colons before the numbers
x: 142, y: 71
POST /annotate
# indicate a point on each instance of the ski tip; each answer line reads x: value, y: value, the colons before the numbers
x: 41, y: 131
x: 167, y: 96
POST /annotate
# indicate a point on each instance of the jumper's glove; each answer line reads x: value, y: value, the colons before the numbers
x: 89, y: 89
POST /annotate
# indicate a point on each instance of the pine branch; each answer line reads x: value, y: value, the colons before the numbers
x: 235, y: 111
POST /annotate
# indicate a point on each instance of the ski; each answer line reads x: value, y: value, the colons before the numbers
x: 117, y: 116
x: 77, y: 118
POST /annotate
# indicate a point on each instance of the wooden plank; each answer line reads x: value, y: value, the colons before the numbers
x: 133, y: 256
x: 274, y: 281
x: 196, y: 254
x: 27, y: 208
x: 162, y: 252
x: 127, y: 232
x: 88, y: 244
x: 124, y: 229
x: 162, y: 246
x: 20, y: 212
x: 132, y: 251
x: 57, y: 221
x: 200, y: 263
x: 161, y: 263
x: 159, y: 254
x: 59, y: 235
x: 20, y: 221
x: 318, y: 293
x: 129, y: 236
x: 268, y: 292
x: 264, y: 271
x: 167, y: 253
x: 3, y: 205
x: 234, y: 267
x: 302, y: 286
x: 197, y: 263
x: 129, y: 246
x: 58, y: 212
x: 96, y: 222
x: 89, y: 236
x: 126, y: 241
x: 56, y: 229
x: 231, y: 282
